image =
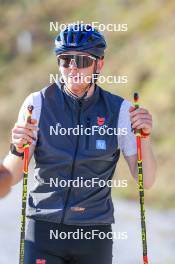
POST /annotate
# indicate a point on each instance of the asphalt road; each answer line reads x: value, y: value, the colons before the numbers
x: 127, y: 248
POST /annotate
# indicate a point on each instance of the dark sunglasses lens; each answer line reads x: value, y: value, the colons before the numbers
x: 81, y: 61
x: 64, y: 60
x: 84, y: 62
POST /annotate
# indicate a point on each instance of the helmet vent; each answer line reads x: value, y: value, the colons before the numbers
x: 91, y: 38
x: 100, y: 46
x: 73, y: 40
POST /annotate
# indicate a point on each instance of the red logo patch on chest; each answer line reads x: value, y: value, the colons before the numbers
x: 100, y: 121
x: 40, y: 261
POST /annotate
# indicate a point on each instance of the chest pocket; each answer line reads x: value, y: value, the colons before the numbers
x: 101, y: 138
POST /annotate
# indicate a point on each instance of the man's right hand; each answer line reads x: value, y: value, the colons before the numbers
x: 23, y: 134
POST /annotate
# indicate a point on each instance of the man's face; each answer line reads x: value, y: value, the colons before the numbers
x: 77, y: 79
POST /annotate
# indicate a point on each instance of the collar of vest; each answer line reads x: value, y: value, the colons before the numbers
x: 85, y: 103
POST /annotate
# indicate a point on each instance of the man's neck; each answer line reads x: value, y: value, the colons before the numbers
x: 89, y: 93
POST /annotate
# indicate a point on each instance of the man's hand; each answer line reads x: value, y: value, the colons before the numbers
x: 141, y: 119
x: 5, y: 181
x: 23, y: 134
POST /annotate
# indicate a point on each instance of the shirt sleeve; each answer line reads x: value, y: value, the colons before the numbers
x: 126, y: 141
x: 35, y: 100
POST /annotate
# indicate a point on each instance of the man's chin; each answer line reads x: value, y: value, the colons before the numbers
x: 75, y: 87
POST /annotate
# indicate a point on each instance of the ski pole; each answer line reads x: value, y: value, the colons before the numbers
x: 141, y: 186
x: 24, y: 191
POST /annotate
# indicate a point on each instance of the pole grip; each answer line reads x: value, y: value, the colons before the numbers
x: 26, y: 146
x: 136, y: 104
x: 28, y: 119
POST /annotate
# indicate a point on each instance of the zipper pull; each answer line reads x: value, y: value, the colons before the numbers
x: 80, y: 103
x: 88, y: 121
x: 87, y: 136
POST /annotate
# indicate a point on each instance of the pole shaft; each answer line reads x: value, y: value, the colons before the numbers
x: 141, y: 187
x: 24, y: 190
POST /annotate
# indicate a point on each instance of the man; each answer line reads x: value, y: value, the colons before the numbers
x: 62, y: 156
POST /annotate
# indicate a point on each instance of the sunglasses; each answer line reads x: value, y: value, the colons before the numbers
x: 80, y: 60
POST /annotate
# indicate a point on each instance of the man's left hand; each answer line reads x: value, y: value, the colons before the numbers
x: 141, y: 119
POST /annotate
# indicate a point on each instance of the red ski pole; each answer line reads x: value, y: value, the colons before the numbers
x: 141, y: 186
x: 24, y: 192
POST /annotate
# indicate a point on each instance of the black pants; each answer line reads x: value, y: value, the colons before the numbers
x: 51, y: 243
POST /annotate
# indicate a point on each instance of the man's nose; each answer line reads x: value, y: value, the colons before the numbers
x: 72, y: 64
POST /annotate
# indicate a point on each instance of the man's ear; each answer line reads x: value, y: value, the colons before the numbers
x: 100, y: 63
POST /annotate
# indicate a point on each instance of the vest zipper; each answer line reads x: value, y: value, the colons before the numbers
x: 87, y: 136
x: 73, y: 166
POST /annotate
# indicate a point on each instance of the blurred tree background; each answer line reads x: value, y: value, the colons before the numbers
x: 145, y: 53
